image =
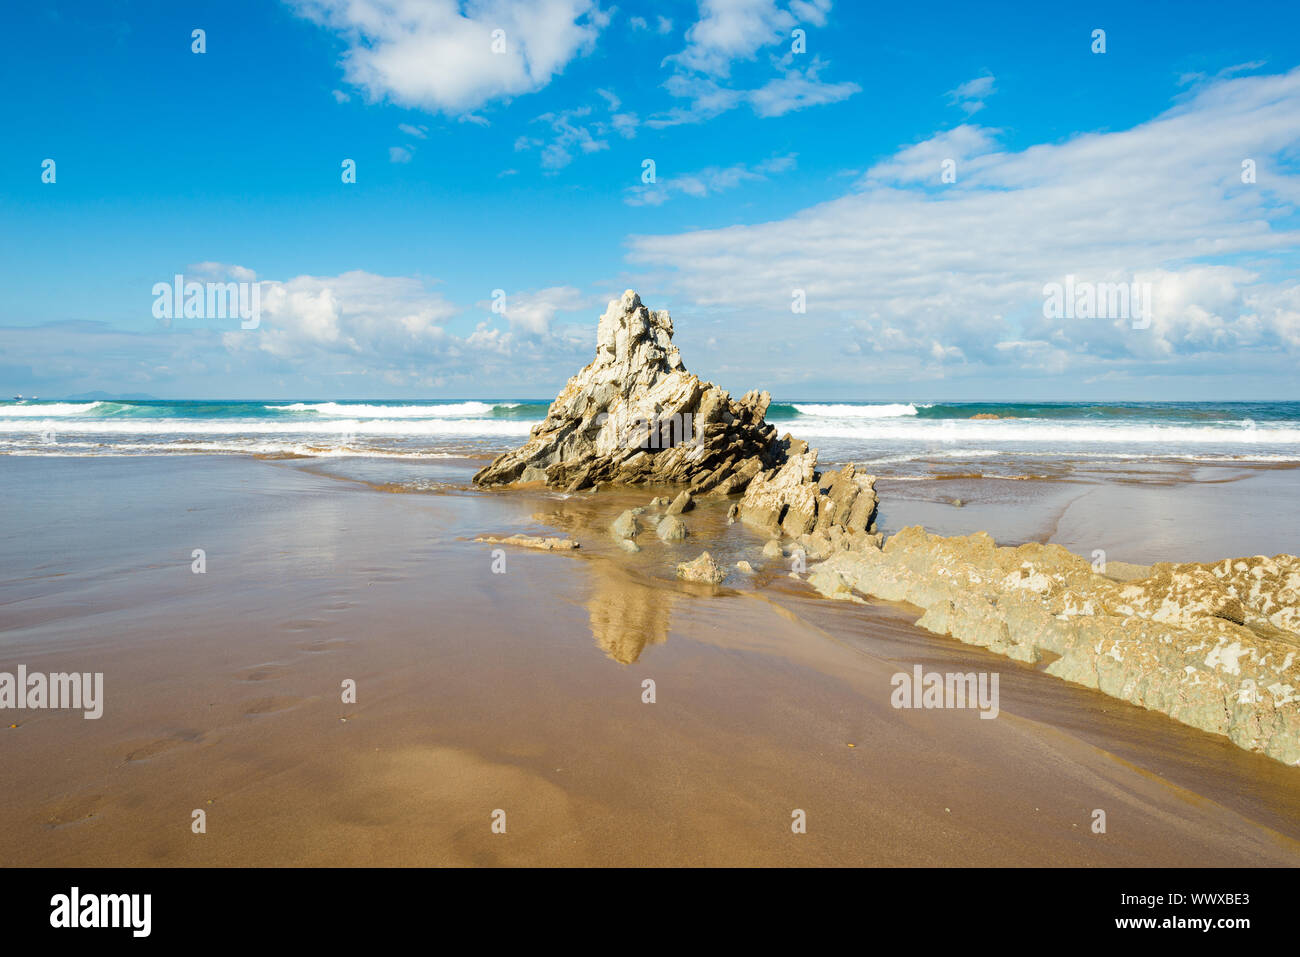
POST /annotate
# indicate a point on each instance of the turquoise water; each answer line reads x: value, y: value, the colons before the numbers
x: 880, y: 434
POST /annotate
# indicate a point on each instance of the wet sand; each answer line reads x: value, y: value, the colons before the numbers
x: 522, y: 691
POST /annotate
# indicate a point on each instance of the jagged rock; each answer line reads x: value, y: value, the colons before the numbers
x: 628, y: 545
x: 626, y: 525
x: 671, y: 529
x: 1215, y: 646
x: 772, y: 549
x: 634, y: 415
x: 658, y: 502
x: 682, y: 503
x: 797, y: 499
x: 701, y: 569
x: 745, y: 567
x: 733, y: 513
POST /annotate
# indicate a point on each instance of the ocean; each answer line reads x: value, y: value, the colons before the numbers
x: 899, y: 439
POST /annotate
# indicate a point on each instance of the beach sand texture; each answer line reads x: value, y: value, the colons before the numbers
x: 522, y: 692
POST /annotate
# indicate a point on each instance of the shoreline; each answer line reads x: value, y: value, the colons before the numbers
x: 479, y: 690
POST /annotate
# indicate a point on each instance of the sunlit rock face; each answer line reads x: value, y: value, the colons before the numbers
x: 634, y: 415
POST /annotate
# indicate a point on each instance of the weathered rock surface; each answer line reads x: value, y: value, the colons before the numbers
x: 671, y: 529
x: 825, y: 512
x: 701, y: 569
x: 626, y: 525
x: 634, y: 415
x: 682, y: 503
x: 1215, y: 646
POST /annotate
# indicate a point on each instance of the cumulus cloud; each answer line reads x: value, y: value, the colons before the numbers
x: 734, y: 32
x: 938, y: 276
x: 730, y: 30
x: 398, y: 329
x: 438, y: 57
x: 356, y: 313
x: 532, y: 312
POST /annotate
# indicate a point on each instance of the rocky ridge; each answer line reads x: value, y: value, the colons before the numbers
x: 1215, y: 646
x: 635, y: 416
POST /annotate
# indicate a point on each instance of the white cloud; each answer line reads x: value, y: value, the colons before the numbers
x: 531, y: 312
x: 706, y: 182
x: 579, y: 129
x: 356, y: 313
x: 625, y: 124
x: 730, y: 32
x: 798, y: 89
x: 397, y: 327
x: 663, y: 25
x: 437, y: 57
x: 970, y: 96
x: 215, y: 271
x: 922, y: 162
x: 419, y: 132
x: 399, y: 154
x: 943, y: 276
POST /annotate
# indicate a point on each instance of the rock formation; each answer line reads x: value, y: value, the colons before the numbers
x: 1215, y: 646
x: 634, y: 415
x: 701, y: 569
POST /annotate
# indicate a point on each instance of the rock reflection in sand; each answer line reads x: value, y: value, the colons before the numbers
x: 626, y: 614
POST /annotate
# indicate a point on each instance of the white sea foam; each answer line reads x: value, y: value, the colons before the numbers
x: 332, y: 427
x: 886, y: 411
x: 1047, y: 431
x: 49, y: 408
x: 361, y: 410
x: 66, y: 449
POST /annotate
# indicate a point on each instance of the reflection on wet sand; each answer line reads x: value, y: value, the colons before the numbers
x: 626, y: 614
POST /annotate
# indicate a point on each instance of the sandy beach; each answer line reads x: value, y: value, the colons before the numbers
x: 479, y: 691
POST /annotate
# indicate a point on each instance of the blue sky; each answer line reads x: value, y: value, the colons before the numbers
x: 776, y: 170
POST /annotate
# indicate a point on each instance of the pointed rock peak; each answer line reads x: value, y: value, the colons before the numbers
x: 628, y: 332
